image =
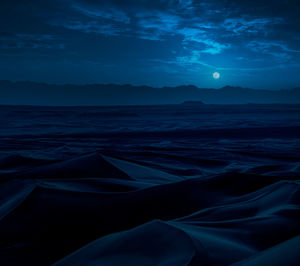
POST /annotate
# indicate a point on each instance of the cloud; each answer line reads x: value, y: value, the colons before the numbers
x: 94, y: 27
x: 276, y: 49
x: 165, y: 68
x: 206, y: 25
x: 188, y: 62
x: 29, y: 41
x: 196, y: 35
x: 206, y: 34
x: 194, y: 58
x: 182, y: 4
x: 151, y: 35
x: 192, y: 34
x: 214, y: 47
x: 265, y: 46
x: 159, y: 20
x: 157, y: 24
x: 111, y: 13
x: 239, y: 26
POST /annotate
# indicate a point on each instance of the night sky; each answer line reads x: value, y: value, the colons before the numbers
x: 250, y: 43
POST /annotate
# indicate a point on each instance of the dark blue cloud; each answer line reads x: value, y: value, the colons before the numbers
x: 29, y: 41
x: 165, y: 37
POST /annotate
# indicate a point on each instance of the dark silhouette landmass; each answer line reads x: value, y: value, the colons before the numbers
x: 192, y: 103
x: 32, y: 93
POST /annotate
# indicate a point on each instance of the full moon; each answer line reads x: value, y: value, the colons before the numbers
x: 216, y: 75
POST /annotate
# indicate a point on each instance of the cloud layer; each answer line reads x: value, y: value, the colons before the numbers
x: 210, y: 33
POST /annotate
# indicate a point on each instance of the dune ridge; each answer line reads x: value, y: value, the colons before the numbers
x: 161, y: 185
x: 96, y: 218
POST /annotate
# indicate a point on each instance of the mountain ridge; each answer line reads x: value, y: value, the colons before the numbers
x: 37, y: 93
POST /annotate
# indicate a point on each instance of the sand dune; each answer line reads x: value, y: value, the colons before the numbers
x: 117, y: 210
x: 151, y: 189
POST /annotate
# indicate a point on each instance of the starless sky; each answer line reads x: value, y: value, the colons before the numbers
x: 152, y: 42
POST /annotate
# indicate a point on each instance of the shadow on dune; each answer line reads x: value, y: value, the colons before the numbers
x: 99, y: 210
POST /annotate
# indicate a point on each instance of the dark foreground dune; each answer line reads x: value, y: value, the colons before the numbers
x: 192, y: 196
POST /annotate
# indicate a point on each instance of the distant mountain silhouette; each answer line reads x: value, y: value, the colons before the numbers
x: 192, y: 103
x: 33, y: 93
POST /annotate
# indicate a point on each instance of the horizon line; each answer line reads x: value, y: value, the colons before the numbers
x: 128, y: 84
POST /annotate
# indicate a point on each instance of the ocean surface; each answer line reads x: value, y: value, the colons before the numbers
x: 150, y: 185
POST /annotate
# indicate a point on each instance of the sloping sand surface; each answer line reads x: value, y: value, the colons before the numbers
x: 121, y: 211
x: 156, y: 185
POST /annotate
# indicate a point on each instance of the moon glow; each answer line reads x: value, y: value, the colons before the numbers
x: 216, y: 75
